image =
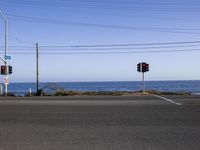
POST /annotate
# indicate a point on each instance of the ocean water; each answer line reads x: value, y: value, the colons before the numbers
x: 169, y: 86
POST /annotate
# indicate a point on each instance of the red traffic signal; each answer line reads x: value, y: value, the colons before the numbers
x: 6, y: 70
x: 3, y: 70
x: 143, y: 67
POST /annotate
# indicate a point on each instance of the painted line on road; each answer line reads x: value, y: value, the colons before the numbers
x: 167, y: 99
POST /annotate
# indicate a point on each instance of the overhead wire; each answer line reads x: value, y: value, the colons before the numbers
x: 55, y: 52
x: 82, y: 24
x: 112, y: 27
x: 125, y: 52
x: 113, y: 46
x: 62, y: 21
x: 133, y: 44
x: 135, y: 7
x: 116, y: 45
x: 98, y: 49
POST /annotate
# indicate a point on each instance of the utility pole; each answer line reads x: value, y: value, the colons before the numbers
x: 5, y: 62
x: 37, y: 69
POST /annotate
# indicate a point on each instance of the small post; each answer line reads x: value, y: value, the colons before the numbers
x: 30, y: 92
x: 1, y: 90
x: 37, y: 69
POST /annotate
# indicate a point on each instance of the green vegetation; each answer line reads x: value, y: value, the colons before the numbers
x: 54, y: 90
x: 137, y: 93
x: 102, y: 93
x: 78, y: 93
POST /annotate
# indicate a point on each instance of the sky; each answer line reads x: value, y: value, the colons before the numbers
x: 112, y: 35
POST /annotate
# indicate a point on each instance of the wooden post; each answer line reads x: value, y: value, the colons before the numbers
x: 37, y: 70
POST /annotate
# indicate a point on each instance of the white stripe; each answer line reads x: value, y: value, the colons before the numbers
x: 167, y: 99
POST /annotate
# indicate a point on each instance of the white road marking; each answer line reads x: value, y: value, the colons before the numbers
x: 167, y: 99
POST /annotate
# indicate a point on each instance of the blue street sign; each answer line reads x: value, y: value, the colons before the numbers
x: 7, y: 57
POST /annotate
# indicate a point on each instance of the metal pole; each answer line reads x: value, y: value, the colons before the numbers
x: 143, y: 83
x: 6, y: 73
x: 37, y: 70
x: 6, y: 37
x: 1, y: 90
x: 30, y: 92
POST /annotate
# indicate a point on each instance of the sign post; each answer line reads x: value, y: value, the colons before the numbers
x: 6, y: 81
x: 6, y: 45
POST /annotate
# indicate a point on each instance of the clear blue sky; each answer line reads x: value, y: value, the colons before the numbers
x: 53, y: 23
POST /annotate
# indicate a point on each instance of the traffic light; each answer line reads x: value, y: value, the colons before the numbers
x: 143, y: 67
x: 6, y: 70
x: 138, y: 67
x: 147, y: 67
x: 3, y: 70
x: 10, y: 69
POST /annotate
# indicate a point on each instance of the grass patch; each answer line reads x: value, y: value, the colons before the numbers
x: 110, y: 93
x: 78, y: 93
x: 62, y: 92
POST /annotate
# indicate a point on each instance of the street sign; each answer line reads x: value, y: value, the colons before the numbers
x: 7, y: 57
x: 6, y: 82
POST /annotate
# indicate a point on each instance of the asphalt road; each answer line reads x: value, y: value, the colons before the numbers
x: 100, y: 123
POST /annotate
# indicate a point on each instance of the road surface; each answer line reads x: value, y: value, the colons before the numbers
x: 100, y: 123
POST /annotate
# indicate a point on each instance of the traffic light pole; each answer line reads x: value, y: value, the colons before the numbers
x: 5, y: 62
x: 143, y: 67
x: 143, y: 83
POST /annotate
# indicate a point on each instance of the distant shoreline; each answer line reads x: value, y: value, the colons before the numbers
x: 180, y: 86
x: 106, y: 81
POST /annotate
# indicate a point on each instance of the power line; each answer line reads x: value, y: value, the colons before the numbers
x: 137, y: 27
x: 125, y: 52
x: 118, y: 14
x: 132, y: 44
x: 112, y: 45
x: 61, y: 22
x: 120, y: 7
x: 181, y: 3
x: 100, y: 49
x: 128, y: 2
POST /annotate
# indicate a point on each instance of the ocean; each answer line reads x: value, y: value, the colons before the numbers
x: 169, y: 86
